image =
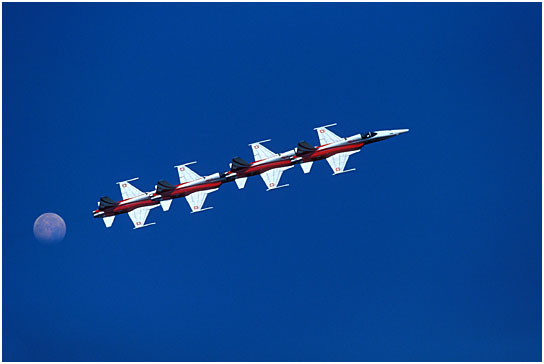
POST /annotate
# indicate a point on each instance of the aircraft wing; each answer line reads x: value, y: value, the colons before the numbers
x: 272, y: 177
x: 261, y: 152
x: 128, y: 190
x: 138, y: 216
x: 338, y: 161
x: 196, y: 200
x: 186, y: 174
x: 326, y: 136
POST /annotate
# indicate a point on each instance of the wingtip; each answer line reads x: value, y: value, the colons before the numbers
x: 128, y: 180
x: 325, y: 126
x: 262, y: 141
x: 184, y: 164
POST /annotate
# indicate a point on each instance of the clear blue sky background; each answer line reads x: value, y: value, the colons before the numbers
x: 430, y: 251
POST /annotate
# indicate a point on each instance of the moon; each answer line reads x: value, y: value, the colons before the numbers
x: 49, y: 228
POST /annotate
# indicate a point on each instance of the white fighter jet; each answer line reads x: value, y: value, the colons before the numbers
x: 192, y: 186
x: 268, y: 165
x: 135, y: 202
x: 336, y: 149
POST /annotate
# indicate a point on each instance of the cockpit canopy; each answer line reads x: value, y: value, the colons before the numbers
x: 368, y: 135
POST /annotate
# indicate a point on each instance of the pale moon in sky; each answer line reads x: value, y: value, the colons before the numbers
x: 49, y: 228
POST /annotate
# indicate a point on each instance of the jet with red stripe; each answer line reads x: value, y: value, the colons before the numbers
x: 135, y: 202
x: 192, y: 186
x: 336, y: 150
x: 268, y: 165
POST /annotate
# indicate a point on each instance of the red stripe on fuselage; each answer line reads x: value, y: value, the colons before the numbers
x: 326, y: 153
x: 185, y: 191
x: 261, y: 168
x: 123, y: 209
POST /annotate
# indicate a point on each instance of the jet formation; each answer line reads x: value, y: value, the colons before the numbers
x: 267, y: 164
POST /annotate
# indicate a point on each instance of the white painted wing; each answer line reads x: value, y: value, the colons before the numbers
x: 138, y: 216
x: 338, y: 161
x: 196, y: 200
x: 261, y: 152
x: 326, y: 136
x: 128, y: 190
x: 272, y: 177
x: 186, y: 174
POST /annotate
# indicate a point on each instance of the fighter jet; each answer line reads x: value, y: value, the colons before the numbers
x: 336, y: 149
x: 192, y: 186
x: 268, y: 165
x: 135, y: 202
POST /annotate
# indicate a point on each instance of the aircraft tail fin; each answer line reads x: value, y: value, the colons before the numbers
x: 238, y: 163
x: 163, y: 186
x: 304, y: 147
x: 106, y: 202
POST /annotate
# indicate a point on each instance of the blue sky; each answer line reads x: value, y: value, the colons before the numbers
x: 430, y: 251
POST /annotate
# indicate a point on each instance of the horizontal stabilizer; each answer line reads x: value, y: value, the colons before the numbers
x: 163, y: 186
x: 240, y: 182
x: 166, y: 205
x: 306, y: 167
x: 106, y: 202
x: 108, y: 220
x: 238, y: 163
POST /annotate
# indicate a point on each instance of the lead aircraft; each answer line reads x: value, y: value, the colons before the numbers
x: 336, y: 150
x: 135, y: 202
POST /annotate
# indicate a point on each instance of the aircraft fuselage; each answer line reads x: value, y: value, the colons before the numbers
x: 125, y: 206
x: 327, y: 150
x: 258, y: 168
x: 182, y: 190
